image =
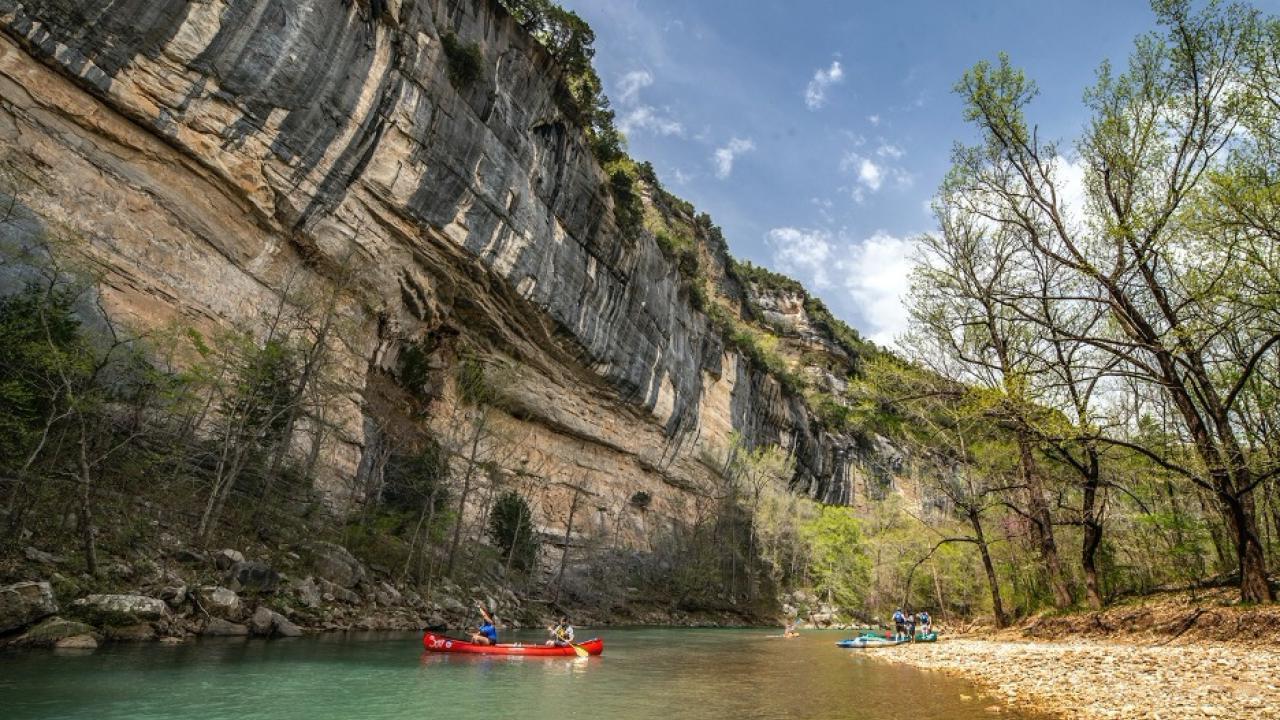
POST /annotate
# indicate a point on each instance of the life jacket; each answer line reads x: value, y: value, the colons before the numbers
x: 898, y: 617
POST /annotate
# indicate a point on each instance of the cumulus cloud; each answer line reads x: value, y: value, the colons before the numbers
x: 724, y: 156
x: 877, y: 275
x: 637, y: 116
x: 870, y: 174
x: 815, y: 94
x: 874, y: 273
x: 630, y: 85
x: 806, y: 253
x: 648, y: 118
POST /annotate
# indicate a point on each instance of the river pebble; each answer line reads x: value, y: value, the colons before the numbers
x: 1099, y: 680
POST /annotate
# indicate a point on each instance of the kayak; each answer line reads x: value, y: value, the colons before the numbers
x: 442, y: 644
x: 877, y: 640
x: 869, y: 642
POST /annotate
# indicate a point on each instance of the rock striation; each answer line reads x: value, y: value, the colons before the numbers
x: 208, y: 156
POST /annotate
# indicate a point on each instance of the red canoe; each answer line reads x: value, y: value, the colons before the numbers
x: 440, y: 643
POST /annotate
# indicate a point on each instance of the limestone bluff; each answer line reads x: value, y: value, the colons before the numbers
x: 207, y: 153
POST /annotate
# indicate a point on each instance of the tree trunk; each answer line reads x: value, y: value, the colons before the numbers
x: 1042, y: 521
x: 564, y: 556
x: 457, y: 523
x: 88, y: 533
x: 937, y: 589
x: 477, y: 432
x: 1092, y: 588
x: 1092, y: 534
x: 997, y: 605
x: 1250, y: 559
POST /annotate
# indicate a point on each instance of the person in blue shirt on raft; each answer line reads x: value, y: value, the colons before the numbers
x: 487, y: 634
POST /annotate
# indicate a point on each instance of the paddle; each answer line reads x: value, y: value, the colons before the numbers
x: 577, y: 649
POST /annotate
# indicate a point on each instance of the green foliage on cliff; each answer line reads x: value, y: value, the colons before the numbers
x: 834, y: 413
x: 570, y: 40
x: 759, y: 348
x: 466, y: 63
x: 766, y: 279
x: 839, y: 331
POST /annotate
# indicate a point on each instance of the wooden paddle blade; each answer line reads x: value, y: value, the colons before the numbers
x: 579, y: 650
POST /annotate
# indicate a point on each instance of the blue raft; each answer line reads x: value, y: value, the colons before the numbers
x: 877, y: 640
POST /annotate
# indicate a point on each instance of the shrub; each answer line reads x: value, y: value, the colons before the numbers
x: 511, y: 529
x: 413, y: 369
x: 834, y: 415
x: 466, y: 63
x: 628, y: 211
x: 640, y: 500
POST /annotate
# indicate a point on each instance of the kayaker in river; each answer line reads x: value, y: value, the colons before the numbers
x: 561, y: 633
x: 486, y: 634
x: 899, y: 625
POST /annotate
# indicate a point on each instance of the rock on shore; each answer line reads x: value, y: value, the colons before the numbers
x: 25, y: 602
x: 1090, y: 680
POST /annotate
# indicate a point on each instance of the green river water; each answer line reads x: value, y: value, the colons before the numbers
x: 644, y: 673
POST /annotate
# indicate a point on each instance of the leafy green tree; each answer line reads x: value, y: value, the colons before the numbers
x: 839, y: 566
x: 511, y: 530
x: 1170, y: 136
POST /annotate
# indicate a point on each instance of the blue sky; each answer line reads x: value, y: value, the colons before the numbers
x: 814, y: 133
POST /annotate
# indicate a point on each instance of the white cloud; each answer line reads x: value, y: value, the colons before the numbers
x: 802, y: 252
x: 870, y: 174
x: 877, y: 273
x: 634, y: 115
x: 889, y: 150
x: 630, y: 85
x: 815, y: 95
x: 874, y: 120
x: 724, y: 156
x: 1072, y: 198
x: 646, y: 117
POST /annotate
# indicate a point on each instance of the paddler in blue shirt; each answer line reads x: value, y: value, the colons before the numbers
x: 487, y: 634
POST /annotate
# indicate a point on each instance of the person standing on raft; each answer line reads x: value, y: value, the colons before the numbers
x: 486, y: 634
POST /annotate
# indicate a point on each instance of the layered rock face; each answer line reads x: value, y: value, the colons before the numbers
x: 210, y: 155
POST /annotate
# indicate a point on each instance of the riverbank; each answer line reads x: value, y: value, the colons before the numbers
x: 1091, y: 680
x: 173, y: 592
x: 1171, y: 658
